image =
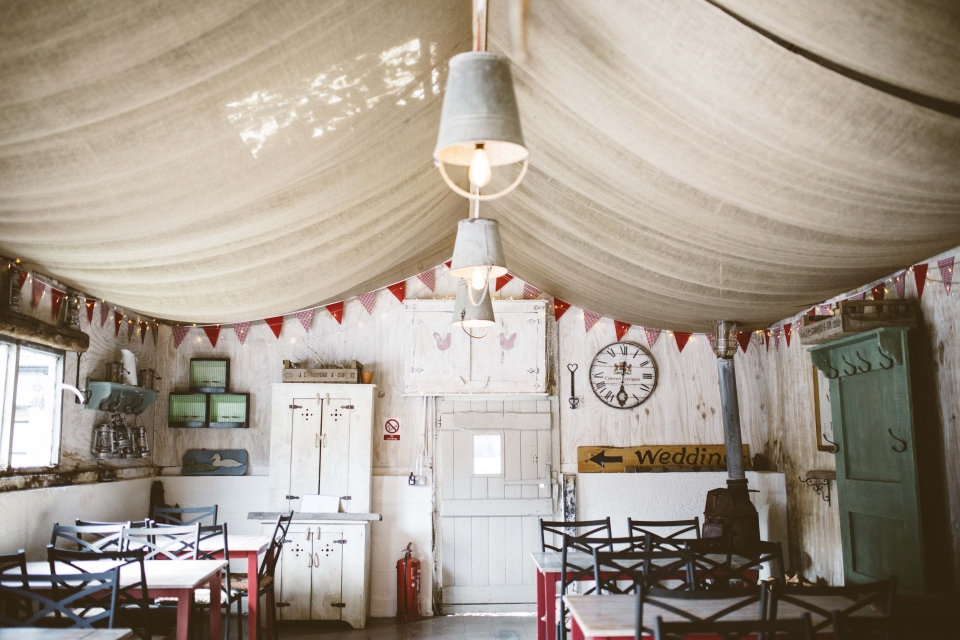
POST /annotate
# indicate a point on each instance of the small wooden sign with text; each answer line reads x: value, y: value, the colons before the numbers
x: 684, y: 457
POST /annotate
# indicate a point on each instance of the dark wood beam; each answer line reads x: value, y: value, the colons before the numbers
x: 21, y: 327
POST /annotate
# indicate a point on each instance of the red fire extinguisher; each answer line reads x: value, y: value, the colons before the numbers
x: 408, y: 587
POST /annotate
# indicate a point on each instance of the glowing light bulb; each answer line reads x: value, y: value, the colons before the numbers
x: 479, y: 172
x: 478, y: 280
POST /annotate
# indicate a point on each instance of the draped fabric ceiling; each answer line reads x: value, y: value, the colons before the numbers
x: 229, y: 160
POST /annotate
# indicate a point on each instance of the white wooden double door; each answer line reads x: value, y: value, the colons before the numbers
x: 495, y: 475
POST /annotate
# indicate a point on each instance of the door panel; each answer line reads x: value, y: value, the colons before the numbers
x: 304, y: 450
x: 335, y: 448
x: 327, y: 584
x: 295, y: 573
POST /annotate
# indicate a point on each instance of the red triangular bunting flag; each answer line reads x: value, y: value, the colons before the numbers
x: 131, y: 327
x: 368, y: 300
x: 448, y: 264
x: 776, y: 338
x: 503, y: 281
x: 39, y: 288
x: 89, y: 304
x: 589, y: 319
x: 275, y: 324
x: 213, y: 334
x: 305, y: 317
x: 621, y: 328
x: 766, y: 338
x: 143, y: 332
x: 743, y: 339
x: 155, y: 330
x: 336, y: 310
x: 117, y: 321
x: 652, y: 335
x: 559, y: 306
x: 56, y: 300
x: 920, y: 275
x: 681, y: 337
x: 879, y: 291
x: 946, y: 273
x: 428, y: 278
x: 399, y: 290
x: 241, y: 329
x: 22, y: 275
x: 179, y: 333
x: 530, y: 292
x: 786, y: 332
x: 104, y: 314
x: 899, y: 282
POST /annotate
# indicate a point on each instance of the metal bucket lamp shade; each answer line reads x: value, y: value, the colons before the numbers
x: 478, y: 254
x: 468, y: 315
x: 479, y: 123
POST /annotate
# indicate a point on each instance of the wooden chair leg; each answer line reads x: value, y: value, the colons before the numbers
x: 271, y: 614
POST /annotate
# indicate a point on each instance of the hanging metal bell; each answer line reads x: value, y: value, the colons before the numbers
x: 478, y: 247
x: 468, y: 315
x: 479, y: 107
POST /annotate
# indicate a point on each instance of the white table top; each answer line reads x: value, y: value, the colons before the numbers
x: 35, y: 633
x: 238, y: 543
x: 161, y: 574
x: 615, y: 615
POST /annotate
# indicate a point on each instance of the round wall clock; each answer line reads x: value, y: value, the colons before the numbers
x: 624, y: 375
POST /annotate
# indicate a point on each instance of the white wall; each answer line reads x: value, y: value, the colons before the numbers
x: 27, y: 517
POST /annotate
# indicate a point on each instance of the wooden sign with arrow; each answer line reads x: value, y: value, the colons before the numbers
x: 685, y: 457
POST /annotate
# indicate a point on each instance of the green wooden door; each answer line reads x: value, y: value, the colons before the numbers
x: 876, y: 465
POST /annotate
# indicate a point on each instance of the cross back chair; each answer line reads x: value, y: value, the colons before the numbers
x: 621, y: 572
x: 265, y: 577
x: 129, y: 524
x: 12, y: 564
x: 668, y: 534
x: 720, y: 565
x: 879, y: 595
x: 133, y: 602
x: 95, y: 538
x: 165, y: 543
x: 77, y: 600
x: 216, y: 545
x: 575, y: 528
x: 177, y: 516
x: 799, y: 629
x: 699, y: 606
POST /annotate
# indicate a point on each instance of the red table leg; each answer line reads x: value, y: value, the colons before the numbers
x: 184, y: 607
x: 253, y: 599
x: 541, y: 606
x: 550, y: 599
x: 575, y: 632
x: 215, y: 589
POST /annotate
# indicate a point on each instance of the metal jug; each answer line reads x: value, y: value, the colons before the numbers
x: 148, y: 378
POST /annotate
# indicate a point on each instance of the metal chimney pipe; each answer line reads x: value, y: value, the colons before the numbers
x: 725, y: 346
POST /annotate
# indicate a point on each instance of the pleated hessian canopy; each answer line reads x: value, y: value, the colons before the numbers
x: 230, y: 160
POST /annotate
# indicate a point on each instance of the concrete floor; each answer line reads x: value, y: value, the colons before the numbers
x: 458, y: 627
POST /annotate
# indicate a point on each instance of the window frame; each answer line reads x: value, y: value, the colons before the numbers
x: 8, y: 408
x: 473, y: 452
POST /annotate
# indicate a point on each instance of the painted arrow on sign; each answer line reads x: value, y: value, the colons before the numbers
x: 602, y: 459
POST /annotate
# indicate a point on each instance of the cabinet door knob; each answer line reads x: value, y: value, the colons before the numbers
x: 309, y: 561
x: 317, y: 561
x: 317, y: 441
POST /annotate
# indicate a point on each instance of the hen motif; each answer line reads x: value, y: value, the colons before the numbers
x: 442, y: 343
x: 507, y: 343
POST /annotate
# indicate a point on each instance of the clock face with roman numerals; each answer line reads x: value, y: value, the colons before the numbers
x: 623, y: 375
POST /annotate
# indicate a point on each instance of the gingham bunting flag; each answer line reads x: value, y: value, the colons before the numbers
x: 305, y: 317
x: 428, y: 278
x: 899, y: 281
x: 40, y: 287
x: 179, y: 333
x: 589, y: 319
x: 104, y: 314
x: 213, y: 334
x: 946, y: 274
x: 652, y: 335
x: 241, y: 329
x: 530, y: 292
x: 825, y: 310
x: 711, y: 339
x: 859, y: 296
x: 131, y: 327
x: 368, y: 300
x: 776, y: 338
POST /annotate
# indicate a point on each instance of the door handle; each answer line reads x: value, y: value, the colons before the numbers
x: 902, y: 442
x: 316, y: 563
x: 316, y: 441
x: 309, y: 561
x: 323, y: 441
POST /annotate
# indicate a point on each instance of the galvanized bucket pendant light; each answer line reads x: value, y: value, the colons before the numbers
x: 470, y: 315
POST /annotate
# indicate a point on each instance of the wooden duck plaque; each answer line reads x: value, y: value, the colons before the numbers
x: 214, y: 462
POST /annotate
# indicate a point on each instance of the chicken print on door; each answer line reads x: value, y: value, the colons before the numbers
x: 442, y: 343
x: 506, y: 344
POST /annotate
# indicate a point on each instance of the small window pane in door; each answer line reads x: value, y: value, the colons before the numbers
x: 37, y: 411
x: 487, y: 455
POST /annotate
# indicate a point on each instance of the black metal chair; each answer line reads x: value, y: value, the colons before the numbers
x: 215, y: 538
x: 720, y: 565
x: 879, y: 595
x: 668, y: 534
x: 735, y: 629
x: 165, y: 543
x: 80, y: 600
x: 623, y: 572
x: 133, y: 602
x: 178, y: 516
x: 12, y: 564
x: 698, y: 606
x: 575, y: 528
x: 129, y: 524
x: 265, y: 577
x: 90, y: 538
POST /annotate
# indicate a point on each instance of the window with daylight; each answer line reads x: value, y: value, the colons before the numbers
x: 488, y: 455
x: 30, y: 431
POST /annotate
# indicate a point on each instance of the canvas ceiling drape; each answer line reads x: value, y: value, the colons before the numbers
x: 232, y: 160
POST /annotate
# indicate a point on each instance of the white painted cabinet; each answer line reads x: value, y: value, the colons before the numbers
x: 440, y: 359
x: 321, y: 441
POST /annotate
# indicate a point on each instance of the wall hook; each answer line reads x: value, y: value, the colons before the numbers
x: 886, y: 357
x: 853, y: 367
x: 836, y: 447
x: 834, y: 372
x: 902, y: 442
x: 866, y: 362
x: 574, y: 400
